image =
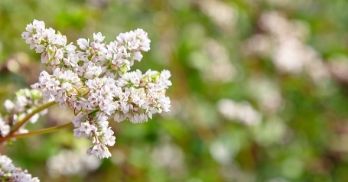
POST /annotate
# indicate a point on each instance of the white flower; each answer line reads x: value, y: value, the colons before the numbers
x: 85, y: 129
x: 83, y: 43
x: 9, y: 172
x: 45, y: 41
x: 9, y: 105
x: 24, y: 102
x: 98, y: 37
x: 93, y: 71
x: 221, y: 152
x: 4, y: 128
x: 100, y: 151
x: 94, y: 79
x: 135, y: 40
x: 108, y: 136
x: 34, y: 118
x: 144, y: 95
x: 79, y: 118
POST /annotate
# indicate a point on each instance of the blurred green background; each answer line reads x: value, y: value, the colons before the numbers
x: 260, y: 88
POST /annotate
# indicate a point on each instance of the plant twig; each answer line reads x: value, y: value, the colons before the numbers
x: 26, y: 118
x: 21, y: 122
x: 42, y: 131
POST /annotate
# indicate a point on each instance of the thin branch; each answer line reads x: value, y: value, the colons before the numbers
x: 42, y: 131
x: 21, y: 122
x: 26, y: 118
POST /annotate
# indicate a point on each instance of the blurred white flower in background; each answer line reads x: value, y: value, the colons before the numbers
x: 279, y: 26
x: 4, y: 127
x: 258, y: 44
x: 221, y: 152
x: 272, y: 131
x: 235, y: 173
x: 222, y: 14
x: 239, y: 111
x: 220, y: 68
x: 71, y: 162
x: 283, y: 41
x: 291, y: 56
x: 214, y: 62
x: 266, y: 93
x: 170, y: 157
x: 338, y: 66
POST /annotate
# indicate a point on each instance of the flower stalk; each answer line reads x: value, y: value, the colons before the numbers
x: 42, y: 131
x: 24, y: 120
x: 21, y: 122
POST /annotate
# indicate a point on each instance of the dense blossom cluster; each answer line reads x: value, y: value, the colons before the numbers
x: 94, y: 79
x: 9, y: 172
x: 25, y: 101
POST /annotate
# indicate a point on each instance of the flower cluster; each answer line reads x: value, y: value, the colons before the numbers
x: 9, y: 172
x: 25, y: 101
x: 94, y: 79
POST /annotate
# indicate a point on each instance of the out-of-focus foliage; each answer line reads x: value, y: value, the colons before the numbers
x: 259, y: 88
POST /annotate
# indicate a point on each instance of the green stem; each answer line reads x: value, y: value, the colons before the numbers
x: 42, y: 131
x: 21, y: 122
x: 26, y: 118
